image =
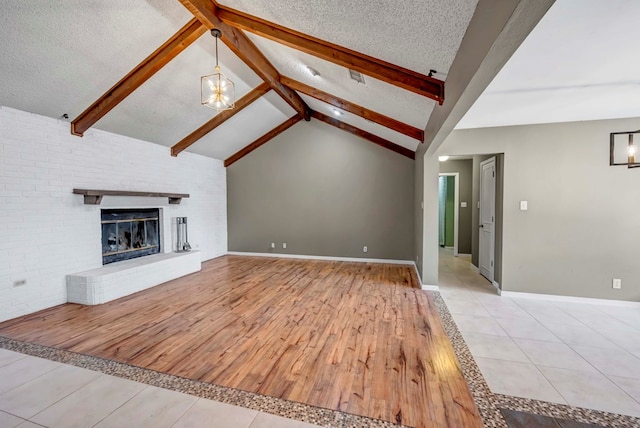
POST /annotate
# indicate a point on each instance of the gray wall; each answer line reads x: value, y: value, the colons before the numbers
x: 496, y: 30
x: 581, y: 228
x: 427, y: 248
x: 323, y: 192
x: 418, y: 200
x: 465, y: 169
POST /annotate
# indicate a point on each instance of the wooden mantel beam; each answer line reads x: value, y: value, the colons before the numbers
x: 239, y: 43
x: 220, y: 118
x: 402, y: 77
x: 262, y: 140
x: 364, y: 134
x: 136, y: 77
x: 363, y: 112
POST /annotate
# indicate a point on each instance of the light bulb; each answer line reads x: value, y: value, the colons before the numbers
x: 632, y: 150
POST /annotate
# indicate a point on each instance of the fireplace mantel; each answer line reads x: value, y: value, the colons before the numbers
x: 94, y: 197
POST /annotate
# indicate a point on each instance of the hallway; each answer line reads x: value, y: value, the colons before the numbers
x: 566, y: 352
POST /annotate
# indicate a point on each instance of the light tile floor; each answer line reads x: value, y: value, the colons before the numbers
x: 581, y: 354
x: 35, y: 392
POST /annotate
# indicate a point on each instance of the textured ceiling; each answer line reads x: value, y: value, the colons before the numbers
x: 167, y: 107
x: 361, y: 123
x: 374, y: 94
x: 60, y: 56
x: 242, y: 129
x: 415, y: 34
x: 579, y: 63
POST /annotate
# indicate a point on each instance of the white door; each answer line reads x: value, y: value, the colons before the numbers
x: 487, y: 217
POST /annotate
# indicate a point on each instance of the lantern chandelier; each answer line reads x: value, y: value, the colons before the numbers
x: 216, y: 90
x: 622, y: 150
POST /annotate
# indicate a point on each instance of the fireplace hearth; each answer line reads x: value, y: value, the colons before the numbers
x: 129, y: 233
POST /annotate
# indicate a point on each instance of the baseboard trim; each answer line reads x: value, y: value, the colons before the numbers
x: 328, y: 258
x: 415, y: 267
x: 571, y: 299
x: 496, y: 285
x: 338, y: 259
x: 424, y: 286
x: 474, y: 267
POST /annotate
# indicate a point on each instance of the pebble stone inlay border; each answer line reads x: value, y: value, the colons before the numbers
x: 489, y: 403
x: 236, y: 397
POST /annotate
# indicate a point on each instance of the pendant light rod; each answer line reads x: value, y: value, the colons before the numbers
x: 217, y: 34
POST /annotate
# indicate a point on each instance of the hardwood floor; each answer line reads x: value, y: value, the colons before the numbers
x: 353, y: 337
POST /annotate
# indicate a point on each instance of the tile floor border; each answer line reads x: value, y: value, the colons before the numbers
x: 276, y: 406
x: 489, y: 403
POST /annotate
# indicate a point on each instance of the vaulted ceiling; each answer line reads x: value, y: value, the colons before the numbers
x: 134, y: 67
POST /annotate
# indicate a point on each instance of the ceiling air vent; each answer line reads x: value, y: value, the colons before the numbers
x: 356, y: 76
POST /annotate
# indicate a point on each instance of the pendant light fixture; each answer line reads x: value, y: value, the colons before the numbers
x: 622, y: 150
x: 216, y: 90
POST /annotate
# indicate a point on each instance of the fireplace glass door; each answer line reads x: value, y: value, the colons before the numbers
x: 128, y: 234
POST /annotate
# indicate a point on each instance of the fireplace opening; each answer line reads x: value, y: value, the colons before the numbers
x: 129, y: 233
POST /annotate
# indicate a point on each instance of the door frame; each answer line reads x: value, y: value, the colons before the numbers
x: 456, y: 206
x: 492, y: 246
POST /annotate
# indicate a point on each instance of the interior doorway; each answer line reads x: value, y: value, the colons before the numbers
x: 487, y: 220
x: 448, y: 197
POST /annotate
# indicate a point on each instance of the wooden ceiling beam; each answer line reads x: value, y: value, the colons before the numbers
x: 363, y: 112
x: 364, y: 134
x: 402, y: 77
x: 206, y: 12
x: 262, y: 140
x: 220, y: 118
x: 136, y: 77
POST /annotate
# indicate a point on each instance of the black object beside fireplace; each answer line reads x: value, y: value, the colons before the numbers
x: 129, y: 233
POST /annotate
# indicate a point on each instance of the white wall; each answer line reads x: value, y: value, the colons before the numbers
x: 46, y: 232
x: 582, y: 227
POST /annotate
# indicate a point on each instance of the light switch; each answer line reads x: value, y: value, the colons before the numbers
x: 523, y: 205
x: 463, y: 204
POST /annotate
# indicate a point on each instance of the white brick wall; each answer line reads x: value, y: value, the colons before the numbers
x: 115, y: 280
x: 46, y: 232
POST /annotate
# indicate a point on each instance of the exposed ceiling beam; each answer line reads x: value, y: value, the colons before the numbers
x: 220, y: 118
x: 136, y: 77
x: 496, y: 30
x: 262, y: 140
x: 345, y: 105
x: 239, y: 43
x: 364, y: 134
x: 402, y: 77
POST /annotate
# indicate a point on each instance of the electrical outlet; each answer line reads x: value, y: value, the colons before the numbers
x: 273, y: 245
x: 284, y: 245
x: 617, y: 283
x: 20, y: 283
x: 364, y: 249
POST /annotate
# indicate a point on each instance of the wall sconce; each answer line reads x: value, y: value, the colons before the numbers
x: 622, y: 150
